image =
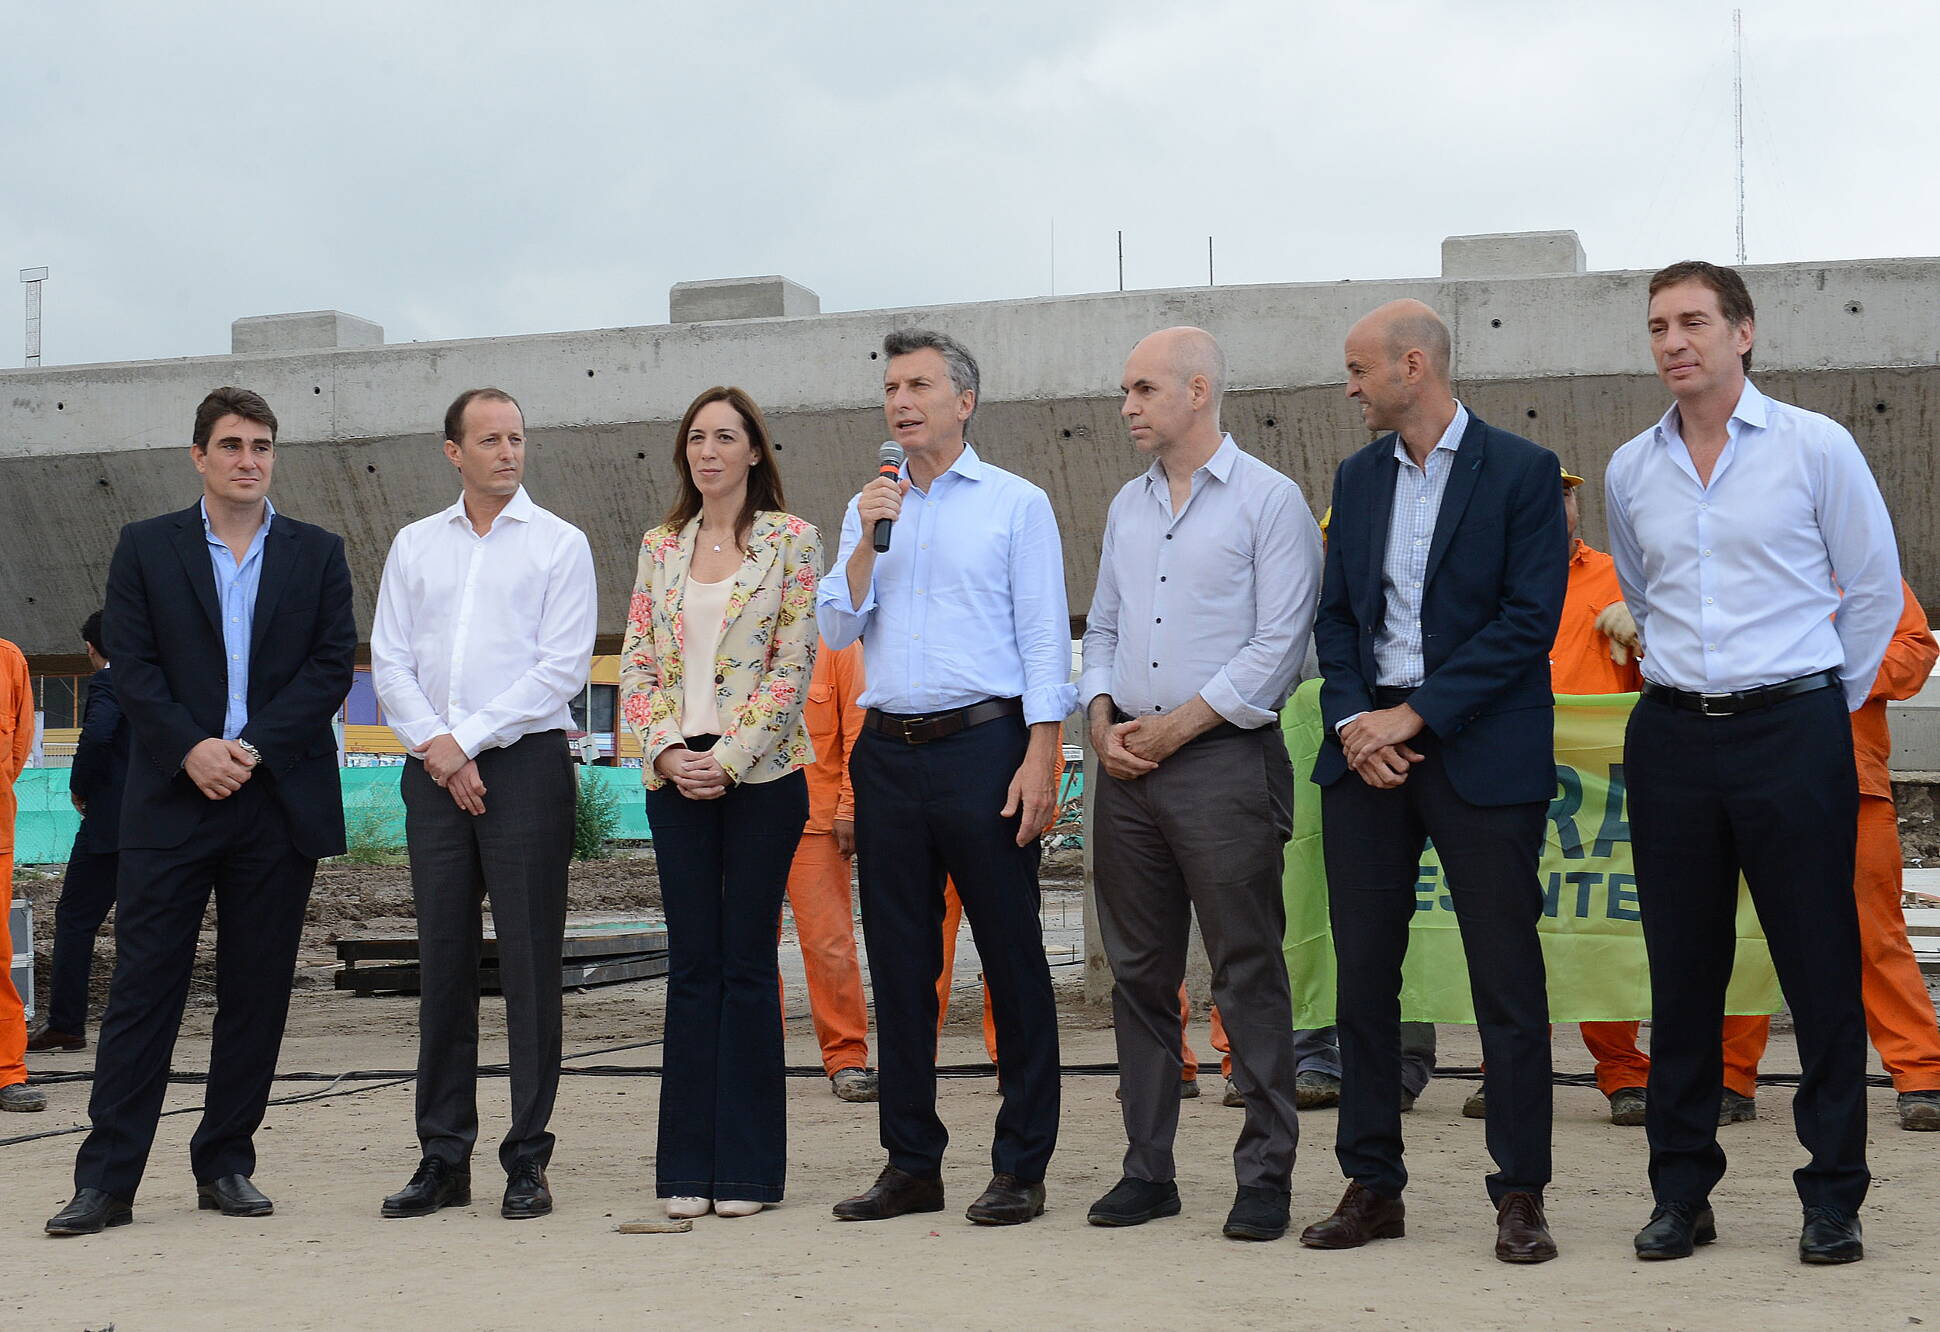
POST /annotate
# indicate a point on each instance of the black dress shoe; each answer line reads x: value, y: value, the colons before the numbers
x: 526, y: 1194
x: 1258, y: 1214
x: 232, y: 1195
x: 1830, y: 1236
x: 1009, y: 1201
x: 91, y: 1212
x: 438, y: 1183
x: 1674, y: 1228
x: 1522, y: 1231
x: 895, y: 1193
x: 45, y: 1040
x: 1133, y: 1202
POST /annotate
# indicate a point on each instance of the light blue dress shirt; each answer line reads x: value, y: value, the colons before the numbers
x: 1216, y: 600
x: 236, y: 587
x: 1735, y: 584
x: 1418, y: 495
x: 967, y: 603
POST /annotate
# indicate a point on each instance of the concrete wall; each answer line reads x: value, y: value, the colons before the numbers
x: 1559, y: 357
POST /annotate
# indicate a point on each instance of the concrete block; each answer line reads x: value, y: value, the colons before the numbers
x: 309, y: 330
x: 1512, y: 254
x: 739, y: 298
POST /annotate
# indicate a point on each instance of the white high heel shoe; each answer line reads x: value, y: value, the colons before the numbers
x: 686, y: 1209
x: 736, y: 1207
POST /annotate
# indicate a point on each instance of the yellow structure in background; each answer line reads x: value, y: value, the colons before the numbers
x: 596, y: 713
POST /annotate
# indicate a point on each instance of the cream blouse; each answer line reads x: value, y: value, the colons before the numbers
x: 703, y: 612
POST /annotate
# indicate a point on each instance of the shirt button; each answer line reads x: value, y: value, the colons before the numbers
x: 1168, y: 536
x: 1161, y: 578
x: 1704, y: 506
x: 1707, y: 601
x: 1710, y: 647
x: 1155, y: 665
x: 1707, y: 554
x: 1158, y: 619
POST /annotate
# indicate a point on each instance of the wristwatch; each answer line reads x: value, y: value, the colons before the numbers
x: 255, y: 754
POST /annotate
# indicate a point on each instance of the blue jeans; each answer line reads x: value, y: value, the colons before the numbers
x: 723, y: 1102
x: 1318, y: 1051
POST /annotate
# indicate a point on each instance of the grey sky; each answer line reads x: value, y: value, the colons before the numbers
x: 465, y: 169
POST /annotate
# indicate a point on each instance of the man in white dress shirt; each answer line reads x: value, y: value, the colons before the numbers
x: 483, y: 636
x: 1206, y: 590
x: 1737, y: 522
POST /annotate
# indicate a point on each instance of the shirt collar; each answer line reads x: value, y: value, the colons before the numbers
x: 968, y: 466
x: 1579, y: 551
x: 1219, y: 466
x: 519, y: 509
x: 269, y: 514
x: 1451, y: 438
x: 1753, y: 409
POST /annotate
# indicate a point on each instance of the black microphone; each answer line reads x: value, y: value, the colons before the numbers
x: 889, y: 463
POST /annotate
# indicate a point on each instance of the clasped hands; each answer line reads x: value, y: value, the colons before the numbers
x: 1130, y: 749
x: 446, y: 764
x: 696, y: 776
x: 218, y: 767
x: 1376, y: 748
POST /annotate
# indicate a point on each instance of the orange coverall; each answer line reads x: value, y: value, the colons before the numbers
x: 819, y: 879
x: 1580, y: 663
x: 16, y: 742
x: 1899, y: 1011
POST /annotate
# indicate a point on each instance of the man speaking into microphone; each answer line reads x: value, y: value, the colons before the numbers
x: 967, y: 644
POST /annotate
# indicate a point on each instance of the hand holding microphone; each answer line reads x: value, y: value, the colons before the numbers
x: 882, y: 499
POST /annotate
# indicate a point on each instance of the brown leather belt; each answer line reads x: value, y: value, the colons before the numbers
x: 1744, y: 700
x: 921, y: 729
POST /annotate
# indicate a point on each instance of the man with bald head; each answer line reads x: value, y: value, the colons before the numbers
x: 1447, y: 564
x: 1205, y: 598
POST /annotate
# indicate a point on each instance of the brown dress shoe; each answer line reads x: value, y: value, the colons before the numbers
x: 1009, y: 1201
x: 895, y: 1193
x: 1362, y: 1216
x: 1521, y: 1233
x: 45, y: 1040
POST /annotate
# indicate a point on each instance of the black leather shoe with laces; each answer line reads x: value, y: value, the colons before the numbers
x: 1673, y: 1230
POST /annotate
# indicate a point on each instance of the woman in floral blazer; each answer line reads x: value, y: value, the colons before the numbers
x: 719, y: 646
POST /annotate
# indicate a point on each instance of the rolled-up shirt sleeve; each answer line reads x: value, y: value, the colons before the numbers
x: 1040, y: 615
x: 1287, y: 558
x: 840, y: 620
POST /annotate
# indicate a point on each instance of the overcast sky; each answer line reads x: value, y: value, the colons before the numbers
x: 456, y: 170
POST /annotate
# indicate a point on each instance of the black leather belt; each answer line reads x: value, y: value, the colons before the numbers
x: 920, y: 730
x: 1744, y: 700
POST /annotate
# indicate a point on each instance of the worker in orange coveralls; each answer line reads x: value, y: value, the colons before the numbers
x: 819, y: 886
x: 16, y: 742
x: 1899, y: 1011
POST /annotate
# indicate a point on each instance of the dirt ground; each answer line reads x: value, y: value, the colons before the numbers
x: 327, y: 1260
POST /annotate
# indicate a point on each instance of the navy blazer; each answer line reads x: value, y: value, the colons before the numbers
x: 163, y: 625
x: 100, y: 766
x: 1498, y: 567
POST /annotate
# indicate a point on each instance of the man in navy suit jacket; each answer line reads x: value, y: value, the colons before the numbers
x: 1447, y: 564
x: 232, y: 638
x: 88, y: 890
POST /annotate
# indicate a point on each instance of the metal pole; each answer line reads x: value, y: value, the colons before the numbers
x: 1209, y: 267
x: 1121, y: 261
x: 33, y: 277
x: 1738, y: 115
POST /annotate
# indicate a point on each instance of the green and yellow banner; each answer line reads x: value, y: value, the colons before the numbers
x: 1593, y: 944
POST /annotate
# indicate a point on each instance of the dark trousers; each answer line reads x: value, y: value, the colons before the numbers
x: 241, y: 851
x: 923, y: 812
x: 87, y: 895
x: 1202, y: 833
x: 1373, y: 842
x: 1771, y: 794
x: 723, y: 1100
x: 516, y: 853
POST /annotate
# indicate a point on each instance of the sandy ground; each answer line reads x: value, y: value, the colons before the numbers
x: 326, y: 1259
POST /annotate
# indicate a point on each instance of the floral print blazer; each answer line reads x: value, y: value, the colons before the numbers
x: 762, y: 665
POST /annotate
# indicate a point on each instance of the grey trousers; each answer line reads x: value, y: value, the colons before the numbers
x: 1204, y: 834
x: 517, y: 853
